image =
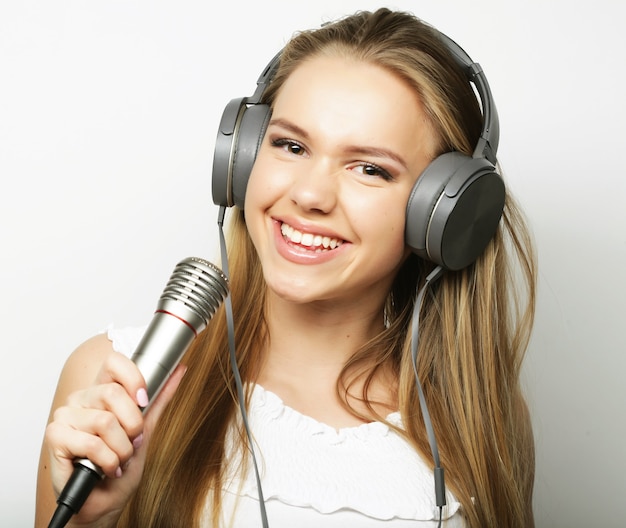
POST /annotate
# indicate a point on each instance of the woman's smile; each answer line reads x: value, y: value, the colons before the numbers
x: 306, y: 246
x: 311, y: 241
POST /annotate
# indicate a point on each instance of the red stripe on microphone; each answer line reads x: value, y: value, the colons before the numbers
x: 180, y: 319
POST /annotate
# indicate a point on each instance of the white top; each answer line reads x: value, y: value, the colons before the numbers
x: 313, y: 475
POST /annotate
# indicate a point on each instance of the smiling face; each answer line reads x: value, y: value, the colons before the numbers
x: 325, y: 203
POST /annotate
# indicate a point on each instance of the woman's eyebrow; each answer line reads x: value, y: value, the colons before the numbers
x: 288, y: 125
x: 378, y: 152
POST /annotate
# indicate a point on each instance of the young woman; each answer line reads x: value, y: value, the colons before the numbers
x: 323, y: 288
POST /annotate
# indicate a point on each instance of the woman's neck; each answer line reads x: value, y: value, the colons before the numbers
x: 320, y: 334
x: 307, y: 350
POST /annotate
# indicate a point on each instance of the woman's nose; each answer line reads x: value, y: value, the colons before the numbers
x: 315, y: 187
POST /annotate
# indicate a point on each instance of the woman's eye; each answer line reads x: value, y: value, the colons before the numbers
x: 374, y: 171
x: 290, y: 146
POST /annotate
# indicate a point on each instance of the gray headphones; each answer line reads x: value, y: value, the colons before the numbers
x: 455, y: 206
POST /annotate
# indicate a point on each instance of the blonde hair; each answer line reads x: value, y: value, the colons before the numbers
x: 475, y: 325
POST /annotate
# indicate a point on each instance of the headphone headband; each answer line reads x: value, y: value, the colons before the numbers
x: 487, y: 145
x: 265, y: 79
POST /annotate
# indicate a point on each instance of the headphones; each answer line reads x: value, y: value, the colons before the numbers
x: 455, y: 206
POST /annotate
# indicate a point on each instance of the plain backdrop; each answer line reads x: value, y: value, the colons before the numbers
x: 108, y: 116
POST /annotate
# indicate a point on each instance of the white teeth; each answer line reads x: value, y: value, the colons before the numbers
x: 307, y: 239
x: 318, y: 242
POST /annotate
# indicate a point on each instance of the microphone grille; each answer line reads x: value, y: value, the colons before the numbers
x: 199, y: 285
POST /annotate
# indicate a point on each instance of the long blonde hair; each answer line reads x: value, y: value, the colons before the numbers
x: 474, y: 331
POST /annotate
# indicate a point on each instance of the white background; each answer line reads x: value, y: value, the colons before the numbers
x: 108, y: 114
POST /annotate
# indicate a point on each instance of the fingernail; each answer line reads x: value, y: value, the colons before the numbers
x: 138, y: 440
x: 142, y: 398
x: 118, y: 472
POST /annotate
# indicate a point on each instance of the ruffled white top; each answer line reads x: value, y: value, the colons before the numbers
x: 313, y: 475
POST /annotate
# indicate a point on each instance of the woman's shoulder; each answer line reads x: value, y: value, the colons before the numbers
x: 87, y: 357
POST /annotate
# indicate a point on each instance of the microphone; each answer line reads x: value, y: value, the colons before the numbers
x: 190, y: 299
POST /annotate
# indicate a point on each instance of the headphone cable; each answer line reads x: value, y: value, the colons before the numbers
x: 235, y: 369
x: 440, y: 486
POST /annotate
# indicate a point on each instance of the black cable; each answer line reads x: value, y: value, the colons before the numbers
x: 61, y: 516
x: 74, y: 494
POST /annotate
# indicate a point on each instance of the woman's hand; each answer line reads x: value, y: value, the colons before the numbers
x: 103, y: 422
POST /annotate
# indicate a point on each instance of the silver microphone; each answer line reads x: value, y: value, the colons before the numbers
x: 190, y: 299
x: 193, y: 294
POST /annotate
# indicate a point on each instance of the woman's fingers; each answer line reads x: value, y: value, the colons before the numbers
x: 104, y: 423
x: 120, y: 369
x: 113, y: 401
x: 68, y: 444
x: 134, y: 449
x: 101, y: 421
x: 98, y: 435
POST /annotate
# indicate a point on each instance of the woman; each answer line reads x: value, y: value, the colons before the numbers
x: 323, y: 288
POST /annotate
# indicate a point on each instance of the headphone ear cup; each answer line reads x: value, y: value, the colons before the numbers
x: 251, y: 132
x: 239, y: 138
x: 454, y: 210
